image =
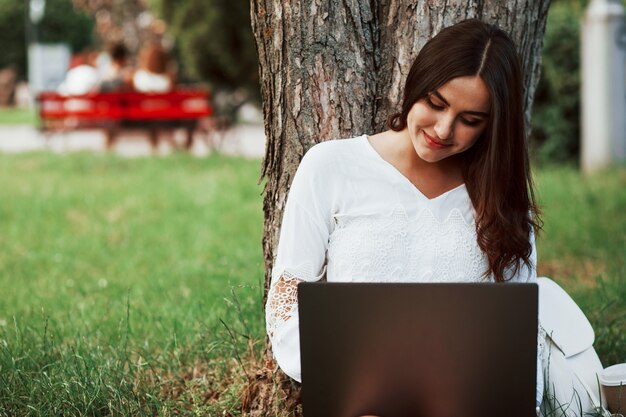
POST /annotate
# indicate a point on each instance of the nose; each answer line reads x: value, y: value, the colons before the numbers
x: 444, y: 127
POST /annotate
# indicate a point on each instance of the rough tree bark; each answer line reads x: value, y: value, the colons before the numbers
x: 335, y: 69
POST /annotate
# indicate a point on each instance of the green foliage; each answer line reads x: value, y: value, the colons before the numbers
x: 215, y: 41
x: 556, y: 119
x: 61, y: 23
x: 12, y: 35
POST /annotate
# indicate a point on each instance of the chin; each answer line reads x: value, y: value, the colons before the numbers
x: 427, y: 154
x: 430, y: 158
x: 435, y: 160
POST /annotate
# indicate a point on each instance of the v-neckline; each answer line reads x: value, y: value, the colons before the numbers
x: 404, y: 178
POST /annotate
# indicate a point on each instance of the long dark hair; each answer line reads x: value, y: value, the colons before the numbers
x: 496, y: 169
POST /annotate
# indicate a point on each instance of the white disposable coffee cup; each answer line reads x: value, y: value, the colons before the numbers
x: 613, y: 381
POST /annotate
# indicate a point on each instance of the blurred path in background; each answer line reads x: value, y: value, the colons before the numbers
x: 247, y: 140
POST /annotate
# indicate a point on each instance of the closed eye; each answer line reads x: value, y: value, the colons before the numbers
x: 434, y: 106
x: 471, y: 122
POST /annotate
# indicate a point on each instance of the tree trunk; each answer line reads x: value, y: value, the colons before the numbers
x: 335, y: 69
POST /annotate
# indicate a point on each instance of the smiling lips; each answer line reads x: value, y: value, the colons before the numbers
x: 434, y: 143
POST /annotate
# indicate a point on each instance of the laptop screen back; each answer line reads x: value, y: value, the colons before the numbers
x: 432, y: 350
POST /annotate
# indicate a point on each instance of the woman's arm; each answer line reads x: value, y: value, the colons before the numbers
x: 300, y: 256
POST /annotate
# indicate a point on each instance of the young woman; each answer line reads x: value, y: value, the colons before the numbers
x: 444, y: 195
x: 152, y: 74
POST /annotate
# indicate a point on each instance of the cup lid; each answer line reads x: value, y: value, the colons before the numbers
x: 613, y: 375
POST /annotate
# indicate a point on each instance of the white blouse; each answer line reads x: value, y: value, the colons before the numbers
x: 149, y: 82
x: 354, y: 216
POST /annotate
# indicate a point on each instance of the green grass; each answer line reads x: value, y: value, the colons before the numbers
x: 15, y: 116
x: 114, y: 270
x: 583, y: 247
x: 132, y: 287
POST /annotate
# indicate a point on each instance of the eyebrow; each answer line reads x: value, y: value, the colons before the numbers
x: 473, y: 113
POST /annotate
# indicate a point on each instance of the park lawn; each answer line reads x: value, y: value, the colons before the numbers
x: 133, y: 286
x: 583, y: 247
x: 114, y: 270
x: 17, y: 116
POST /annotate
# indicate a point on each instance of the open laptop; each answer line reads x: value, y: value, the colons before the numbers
x: 418, y: 350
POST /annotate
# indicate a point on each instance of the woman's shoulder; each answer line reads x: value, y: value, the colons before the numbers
x: 332, y: 151
x: 327, y: 165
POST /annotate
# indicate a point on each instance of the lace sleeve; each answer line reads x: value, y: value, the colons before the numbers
x: 282, y: 323
x: 282, y: 302
x: 281, y: 316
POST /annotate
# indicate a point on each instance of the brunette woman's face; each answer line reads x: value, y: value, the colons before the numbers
x: 450, y: 119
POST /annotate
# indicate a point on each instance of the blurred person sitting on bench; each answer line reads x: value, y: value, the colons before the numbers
x: 152, y: 74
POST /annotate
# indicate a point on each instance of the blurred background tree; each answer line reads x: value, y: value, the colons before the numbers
x: 555, y: 136
x: 556, y: 112
x: 62, y: 22
x: 127, y: 21
x: 215, y: 42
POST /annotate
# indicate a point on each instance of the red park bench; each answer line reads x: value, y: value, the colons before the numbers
x: 122, y: 110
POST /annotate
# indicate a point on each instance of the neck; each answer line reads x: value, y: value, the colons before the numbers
x: 432, y: 179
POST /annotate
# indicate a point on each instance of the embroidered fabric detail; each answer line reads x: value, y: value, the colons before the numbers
x: 394, y: 248
x: 282, y: 301
x: 303, y: 271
